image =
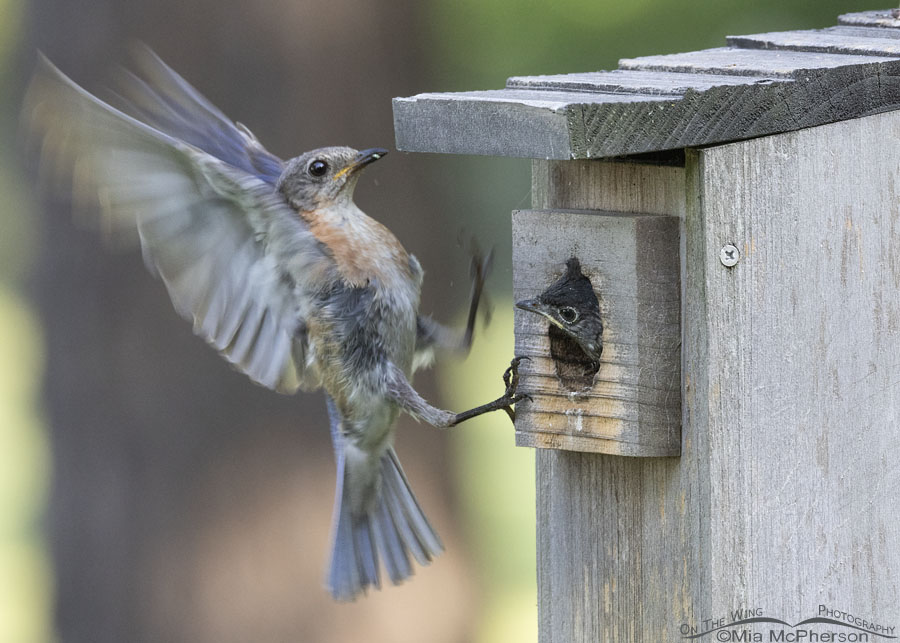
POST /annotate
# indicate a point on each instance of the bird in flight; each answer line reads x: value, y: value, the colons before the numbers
x: 279, y: 271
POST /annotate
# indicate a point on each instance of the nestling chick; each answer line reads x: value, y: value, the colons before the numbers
x: 570, y: 305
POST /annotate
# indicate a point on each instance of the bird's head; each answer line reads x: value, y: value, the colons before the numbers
x: 325, y: 176
x: 571, y: 305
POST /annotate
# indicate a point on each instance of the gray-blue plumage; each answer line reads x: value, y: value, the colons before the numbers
x: 394, y: 529
x: 278, y: 270
x: 159, y: 97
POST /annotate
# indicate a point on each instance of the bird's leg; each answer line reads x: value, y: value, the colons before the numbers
x: 404, y: 395
x: 430, y: 334
x: 510, y: 397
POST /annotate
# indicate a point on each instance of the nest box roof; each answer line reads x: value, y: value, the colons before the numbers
x: 756, y: 85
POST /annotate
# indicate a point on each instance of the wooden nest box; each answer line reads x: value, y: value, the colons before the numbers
x: 737, y: 211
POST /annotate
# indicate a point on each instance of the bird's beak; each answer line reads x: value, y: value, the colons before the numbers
x: 535, y: 306
x: 362, y: 159
x: 531, y: 305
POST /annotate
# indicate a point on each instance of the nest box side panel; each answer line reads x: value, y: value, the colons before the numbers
x: 792, y: 359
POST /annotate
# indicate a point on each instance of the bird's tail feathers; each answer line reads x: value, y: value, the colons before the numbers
x: 392, y: 529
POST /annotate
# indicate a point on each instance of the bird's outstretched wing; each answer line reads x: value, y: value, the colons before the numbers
x: 158, y: 96
x: 227, y: 246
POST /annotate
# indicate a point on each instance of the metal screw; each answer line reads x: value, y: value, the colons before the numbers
x: 729, y: 255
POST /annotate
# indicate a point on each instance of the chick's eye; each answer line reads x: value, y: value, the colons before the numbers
x: 317, y: 168
x: 568, y: 314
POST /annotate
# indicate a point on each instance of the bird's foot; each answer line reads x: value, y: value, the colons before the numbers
x: 511, y: 380
x: 506, y: 401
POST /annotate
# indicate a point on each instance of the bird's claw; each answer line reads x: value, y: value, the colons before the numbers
x: 511, y: 381
x: 505, y: 403
x: 511, y: 374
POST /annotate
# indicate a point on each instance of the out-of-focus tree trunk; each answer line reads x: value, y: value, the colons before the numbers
x: 187, y: 503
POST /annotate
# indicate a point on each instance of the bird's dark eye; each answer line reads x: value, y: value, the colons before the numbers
x: 568, y: 314
x: 317, y: 168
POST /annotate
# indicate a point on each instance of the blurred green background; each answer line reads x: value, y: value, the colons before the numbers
x: 149, y: 493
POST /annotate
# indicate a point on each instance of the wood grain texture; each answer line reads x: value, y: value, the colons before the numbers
x: 621, y: 81
x: 508, y: 122
x: 800, y: 381
x: 864, y: 32
x: 762, y: 84
x: 731, y: 113
x: 829, y: 41
x: 587, y: 124
x: 613, y: 535
x: 634, y: 405
x: 748, y: 62
x: 880, y: 19
x: 785, y: 495
x: 602, y: 185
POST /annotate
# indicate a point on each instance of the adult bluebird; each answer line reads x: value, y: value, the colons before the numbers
x: 279, y: 271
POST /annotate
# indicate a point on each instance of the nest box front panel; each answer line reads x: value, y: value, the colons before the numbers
x: 599, y: 317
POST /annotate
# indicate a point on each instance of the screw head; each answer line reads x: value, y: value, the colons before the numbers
x: 729, y: 255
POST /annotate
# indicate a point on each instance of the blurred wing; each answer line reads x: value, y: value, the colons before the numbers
x: 215, y: 233
x: 159, y: 97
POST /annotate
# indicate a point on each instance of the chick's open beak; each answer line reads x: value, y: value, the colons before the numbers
x: 362, y: 159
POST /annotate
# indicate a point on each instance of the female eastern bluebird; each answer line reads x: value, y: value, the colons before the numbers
x: 280, y: 271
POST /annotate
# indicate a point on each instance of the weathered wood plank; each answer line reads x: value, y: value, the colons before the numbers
x: 621, y: 81
x: 879, y: 19
x: 732, y: 113
x: 765, y: 84
x: 800, y: 392
x: 601, y: 185
x: 506, y: 122
x: 596, y: 125
x: 820, y: 41
x: 565, y: 125
x: 748, y: 62
x: 460, y: 124
x: 786, y: 490
x: 613, y: 534
x: 633, y: 406
x: 863, y: 32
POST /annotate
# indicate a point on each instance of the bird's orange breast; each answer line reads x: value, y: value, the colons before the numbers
x: 363, y: 249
